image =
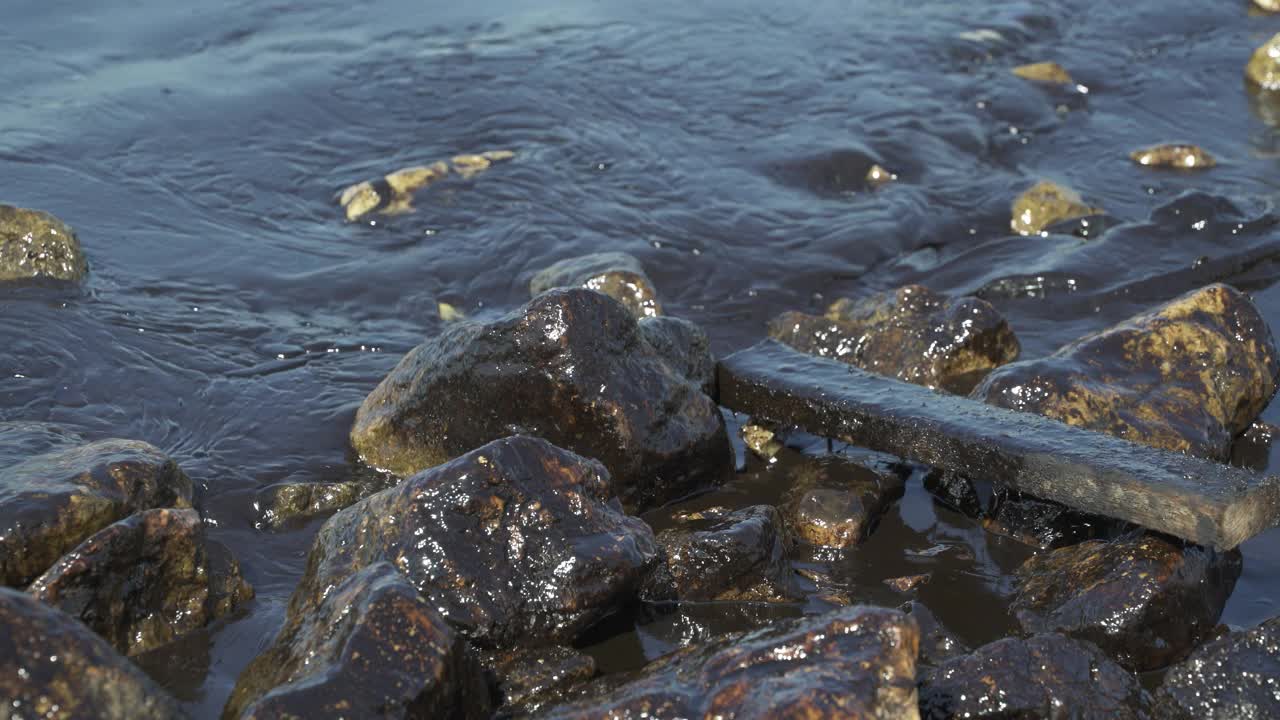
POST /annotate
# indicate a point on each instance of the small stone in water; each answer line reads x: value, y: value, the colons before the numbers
x: 1264, y: 67
x: 449, y: 313
x: 1188, y: 157
x: 1045, y: 72
x: 878, y: 177
x: 907, y: 583
x: 1044, y: 204
x: 761, y: 440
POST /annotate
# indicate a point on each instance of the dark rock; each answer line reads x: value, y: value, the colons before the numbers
x: 937, y: 643
x: 1041, y: 523
x: 685, y: 346
x: 146, y: 580
x: 52, y: 666
x: 908, y: 583
x: 911, y: 333
x: 51, y: 502
x: 532, y: 678
x: 956, y: 492
x: 517, y: 543
x: 1235, y: 677
x: 1188, y: 376
x: 1253, y: 448
x: 741, y: 555
x: 835, y: 500
x: 289, y: 503
x: 1146, y: 601
x: 855, y: 662
x: 35, y: 245
x: 371, y: 648
x: 1045, y: 676
x: 836, y: 173
x: 571, y: 366
x: 616, y: 274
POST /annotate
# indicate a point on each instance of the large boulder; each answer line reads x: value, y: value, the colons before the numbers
x: 616, y: 274
x: 851, y: 663
x: 835, y: 500
x: 517, y: 543
x: 910, y: 333
x: 51, y: 666
x: 1236, y: 677
x: 1145, y: 600
x: 1187, y: 376
x: 50, y: 503
x: 372, y: 648
x: 571, y: 366
x: 37, y: 245
x: 146, y: 580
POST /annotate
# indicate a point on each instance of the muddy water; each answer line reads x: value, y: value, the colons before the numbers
x: 235, y: 321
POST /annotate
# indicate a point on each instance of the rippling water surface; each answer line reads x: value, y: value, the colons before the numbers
x: 236, y: 321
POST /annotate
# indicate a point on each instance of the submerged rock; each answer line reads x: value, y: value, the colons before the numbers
x: 286, y: 503
x: 51, y: 502
x: 1047, y: 677
x: 685, y: 346
x: 1045, y: 72
x: 836, y: 173
x: 834, y: 500
x: 1146, y: 601
x: 532, y: 678
x: 571, y: 366
x: 35, y: 245
x: 146, y: 580
x: 51, y: 666
x: 1263, y: 69
x: 517, y: 543
x: 738, y: 556
x: 910, y: 333
x: 371, y: 648
x: 1235, y: 676
x: 855, y: 662
x: 1268, y: 5
x: 1041, y: 523
x: 616, y: 274
x: 1046, y: 203
x: 1188, y: 376
x: 1184, y: 157
x: 879, y: 177
x: 392, y: 194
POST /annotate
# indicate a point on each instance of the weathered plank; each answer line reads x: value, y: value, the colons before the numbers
x: 1199, y: 500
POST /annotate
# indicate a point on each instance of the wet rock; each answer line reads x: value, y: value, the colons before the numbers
x: 937, y: 643
x: 835, y: 500
x: 371, y: 648
x: 1146, y: 601
x: 571, y: 366
x: 761, y: 439
x: 855, y: 662
x: 911, y: 333
x: 515, y: 543
x: 1183, y: 157
x: 878, y: 177
x: 1045, y: 676
x: 956, y: 492
x: 1041, y: 523
x: 908, y: 583
x: 51, y: 666
x: 392, y: 194
x: 1232, y: 678
x: 288, y: 503
x: 1267, y: 5
x: 1045, y: 72
x: 51, y: 502
x: 146, y: 580
x: 1046, y: 203
x: 685, y: 346
x: 837, y: 173
x: 1253, y: 448
x: 1187, y: 376
x: 532, y: 678
x: 739, y: 556
x: 616, y: 274
x: 36, y: 245
x: 1263, y: 70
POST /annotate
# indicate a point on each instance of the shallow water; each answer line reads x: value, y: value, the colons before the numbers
x: 234, y: 320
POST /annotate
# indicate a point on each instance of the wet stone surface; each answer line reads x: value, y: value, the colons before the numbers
x: 51, y: 502
x: 1048, y: 676
x: 532, y: 678
x: 856, y: 662
x: 685, y: 346
x: 53, y: 666
x: 372, y: 648
x: 146, y: 580
x: 1263, y: 69
x: 35, y: 245
x: 1045, y: 204
x: 1044, y: 524
x: 834, y: 500
x: 1176, y: 156
x: 287, y: 504
x: 571, y: 366
x: 1045, y: 72
x: 616, y: 274
x: 1144, y: 600
x: 1188, y: 375
x: 910, y: 333
x: 937, y: 643
x: 1236, y: 677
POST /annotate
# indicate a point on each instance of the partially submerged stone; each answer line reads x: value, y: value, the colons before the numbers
x: 1267, y: 5
x: 616, y: 274
x: 287, y: 503
x: 1177, y: 156
x: 371, y: 648
x: 685, y: 346
x: 531, y: 678
x: 855, y: 662
x: 1046, y: 203
x: 761, y: 439
x: 908, y: 583
x: 739, y: 556
x: 1235, y: 676
x: 1045, y: 72
x: 1263, y: 69
x: 834, y: 500
x: 51, y: 666
x: 571, y: 366
x: 1046, y: 676
x: 1146, y: 601
x: 1042, y: 523
x: 146, y: 580
x: 393, y: 193
x: 517, y: 543
x: 937, y: 643
x: 910, y: 333
x: 1188, y: 375
x: 36, y: 245
x: 52, y: 502
x: 879, y: 177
